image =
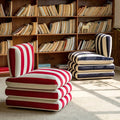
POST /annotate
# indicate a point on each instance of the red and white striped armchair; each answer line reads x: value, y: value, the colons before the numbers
x: 44, y: 89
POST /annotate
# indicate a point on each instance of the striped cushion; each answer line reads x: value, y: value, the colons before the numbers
x: 46, y: 78
x: 103, y: 44
x: 40, y: 94
x: 86, y: 57
x: 82, y: 68
x: 20, y: 59
x: 91, y: 74
x: 21, y: 102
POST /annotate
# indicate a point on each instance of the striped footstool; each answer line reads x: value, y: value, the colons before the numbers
x: 42, y: 89
x: 91, y: 65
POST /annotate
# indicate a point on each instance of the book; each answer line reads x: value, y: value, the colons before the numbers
x: 2, y: 13
x: 47, y: 65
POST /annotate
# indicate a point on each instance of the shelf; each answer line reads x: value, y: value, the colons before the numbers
x: 4, y: 74
x: 3, y: 55
x: 56, y: 52
x: 23, y: 35
x: 57, y: 16
x: 5, y: 35
x: 95, y: 16
x: 57, y: 34
x: 94, y: 33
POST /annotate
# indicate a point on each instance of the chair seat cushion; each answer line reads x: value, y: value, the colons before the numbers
x: 40, y: 94
x: 46, y: 78
x: 81, y: 57
x: 92, y: 74
x: 21, y: 102
x: 80, y: 67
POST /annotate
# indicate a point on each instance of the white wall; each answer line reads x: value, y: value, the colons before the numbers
x: 117, y: 14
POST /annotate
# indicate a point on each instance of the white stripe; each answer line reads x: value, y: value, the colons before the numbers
x: 33, y: 75
x: 17, y: 62
x: 31, y: 59
x: 55, y: 72
x: 25, y: 58
x: 32, y: 86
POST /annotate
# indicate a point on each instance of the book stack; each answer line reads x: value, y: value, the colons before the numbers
x: 57, y: 10
x: 28, y: 29
x: 63, y: 45
x: 4, y: 45
x: 35, y: 45
x: 6, y: 28
x: 57, y: 27
x: 8, y: 10
x: 27, y: 10
x: 86, y: 45
x: 62, y: 66
x: 95, y: 27
x: 44, y: 66
x: 95, y: 11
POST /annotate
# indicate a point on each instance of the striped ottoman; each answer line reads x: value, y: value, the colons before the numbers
x: 91, y: 65
x: 46, y: 89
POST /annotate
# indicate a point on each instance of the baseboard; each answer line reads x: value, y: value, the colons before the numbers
x: 117, y: 68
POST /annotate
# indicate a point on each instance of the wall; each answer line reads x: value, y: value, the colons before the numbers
x: 117, y: 14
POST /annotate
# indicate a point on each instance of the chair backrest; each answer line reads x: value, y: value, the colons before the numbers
x: 103, y: 44
x: 20, y: 59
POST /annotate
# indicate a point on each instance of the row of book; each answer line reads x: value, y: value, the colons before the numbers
x: 95, y: 11
x: 27, y: 10
x: 6, y: 28
x: 4, y: 45
x: 67, y: 44
x: 34, y: 43
x: 95, y: 27
x: 57, y: 10
x: 8, y: 9
x: 86, y: 45
x: 57, y: 27
x: 27, y: 29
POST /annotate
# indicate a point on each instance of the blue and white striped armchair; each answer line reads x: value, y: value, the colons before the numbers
x: 93, y: 65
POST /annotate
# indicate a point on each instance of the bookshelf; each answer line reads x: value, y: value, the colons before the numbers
x: 58, y: 57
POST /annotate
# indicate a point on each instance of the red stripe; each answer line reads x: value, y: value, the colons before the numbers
x: 28, y: 57
x: 22, y: 59
x: 66, y: 89
x: 70, y: 96
x: 32, y: 94
x: 32, y: 49
x: 58, y: 72
x: 69, y: 76
x: 12, y: 61
x: 67, y: 100
x: 47, y: 106
x: 33, y: 80
x: 48, y: 73
x: 70, y: 85
x: 63, y: 104
x: 61, y: 90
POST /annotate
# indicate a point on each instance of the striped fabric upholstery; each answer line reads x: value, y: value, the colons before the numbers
x: 91, y: 74
x: 20, y: 59
x: 40, y: 94
x: 46, y: 78
x: 91, y: 67
x: 103, y: 44
x: 86, y: 57
x: 21, y: 102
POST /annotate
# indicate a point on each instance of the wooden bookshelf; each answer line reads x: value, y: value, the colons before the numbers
x: 54, y: 58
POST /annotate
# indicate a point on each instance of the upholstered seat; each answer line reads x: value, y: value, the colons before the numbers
x: 92, y: 65
x: 46, y: 88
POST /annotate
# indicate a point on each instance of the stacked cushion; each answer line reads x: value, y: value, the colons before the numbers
x: 46, y: 89
x: 89, y: 65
